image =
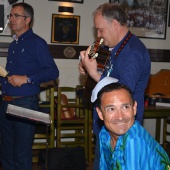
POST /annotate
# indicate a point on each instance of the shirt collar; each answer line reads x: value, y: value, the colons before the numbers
x: 22, y: 36
x: 120, y: 140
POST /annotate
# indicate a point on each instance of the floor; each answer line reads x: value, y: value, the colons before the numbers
x: 38, y: 167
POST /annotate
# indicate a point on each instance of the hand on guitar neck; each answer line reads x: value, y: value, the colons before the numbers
x: 88, y: 64
x: 95, y: 47
x: 92, y: 59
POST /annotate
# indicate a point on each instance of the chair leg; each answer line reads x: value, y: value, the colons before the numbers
x: 164, y: 133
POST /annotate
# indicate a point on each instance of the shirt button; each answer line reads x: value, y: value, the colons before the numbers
x: 13, y: 51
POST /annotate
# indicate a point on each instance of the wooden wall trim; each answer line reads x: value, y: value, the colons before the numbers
x: 73, y: 51
x: 158, y: 55
x: 4, y: 49
x: 66, y: 51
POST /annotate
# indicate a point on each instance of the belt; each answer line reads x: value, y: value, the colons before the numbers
x: 10, y: 98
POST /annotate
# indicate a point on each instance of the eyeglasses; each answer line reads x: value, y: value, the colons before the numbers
x: 15, y: 16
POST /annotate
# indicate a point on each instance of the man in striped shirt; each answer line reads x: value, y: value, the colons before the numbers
x: 124, y: 143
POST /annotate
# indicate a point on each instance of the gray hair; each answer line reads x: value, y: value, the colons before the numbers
x: 28, y: 9
x: 112, y: 11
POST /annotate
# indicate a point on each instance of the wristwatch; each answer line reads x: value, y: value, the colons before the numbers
x: 28, y: 80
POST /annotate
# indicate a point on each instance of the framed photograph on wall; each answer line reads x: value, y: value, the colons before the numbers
x: 146, y: 18
x: 65, y: 29
x: 71, y: 1
x: 169, y: 16
x: 5, y: 8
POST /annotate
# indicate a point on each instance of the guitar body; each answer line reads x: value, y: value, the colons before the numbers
x: 102, y: 56
x: 102, y: 59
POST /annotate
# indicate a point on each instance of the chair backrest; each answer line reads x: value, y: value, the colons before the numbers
x: 71, y: 132
x: 66, y: 112
x: 67, y: 102
x: 159, y: 83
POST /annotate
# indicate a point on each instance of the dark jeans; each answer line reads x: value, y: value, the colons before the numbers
x: 16, y: 136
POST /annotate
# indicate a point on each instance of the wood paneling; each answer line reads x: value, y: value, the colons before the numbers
x: 73, y: 52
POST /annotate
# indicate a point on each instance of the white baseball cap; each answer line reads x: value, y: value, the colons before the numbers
x: 105, y: 81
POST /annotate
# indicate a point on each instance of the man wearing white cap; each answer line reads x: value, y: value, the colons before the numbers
x: 124, y: 143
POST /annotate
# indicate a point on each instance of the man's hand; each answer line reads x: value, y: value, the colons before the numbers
x: 88, y: 65
x: 16, y: 80
x: 81, y: 68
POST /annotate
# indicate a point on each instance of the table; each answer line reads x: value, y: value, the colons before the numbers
x: 158, y: 113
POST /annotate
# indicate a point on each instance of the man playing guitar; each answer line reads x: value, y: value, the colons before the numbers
x: 129, y: 60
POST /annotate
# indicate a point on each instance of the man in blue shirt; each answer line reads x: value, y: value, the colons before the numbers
x: 124, y: 143
x: 29, y: 63
x: 129, y: 61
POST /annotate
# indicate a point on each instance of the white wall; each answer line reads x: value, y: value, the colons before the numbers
x: 69, y: 75
x: 68, y: 68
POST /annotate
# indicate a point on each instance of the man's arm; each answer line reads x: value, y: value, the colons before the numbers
x: 48, y: 69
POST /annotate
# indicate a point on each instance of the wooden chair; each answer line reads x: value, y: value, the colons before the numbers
x: 92, y: 137
x: 41, y: 140
x: 71, y: 131
x: 159, y: 84
x: 166, y: 135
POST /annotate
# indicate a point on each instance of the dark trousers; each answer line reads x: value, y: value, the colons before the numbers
x: 16, y: 136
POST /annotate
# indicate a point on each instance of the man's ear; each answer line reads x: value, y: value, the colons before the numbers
x: 99, y: 113
x: 115, y: 24
x: 135, y: 107
x: 28, y: 19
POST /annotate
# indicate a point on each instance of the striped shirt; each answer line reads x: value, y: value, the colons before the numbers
x: 135, y: 150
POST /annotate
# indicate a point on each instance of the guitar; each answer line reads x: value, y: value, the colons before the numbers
x: 101, y: 55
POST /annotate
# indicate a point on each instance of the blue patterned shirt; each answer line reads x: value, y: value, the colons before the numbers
x: 136, y: 150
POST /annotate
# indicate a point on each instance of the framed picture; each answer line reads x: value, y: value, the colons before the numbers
x: 71, y: 1
x: 5, y: 8
x: 65, y: 29
x: 169, y: 16
x: 146, y: 18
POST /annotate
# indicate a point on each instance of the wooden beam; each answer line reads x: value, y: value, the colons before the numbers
x: 73, y: 52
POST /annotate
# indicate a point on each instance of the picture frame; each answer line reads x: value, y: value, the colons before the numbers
x: 146, y: 19
x: 169, y: 16
x: 65, y: 29
x: 5, y: 8
x: 71, y: 1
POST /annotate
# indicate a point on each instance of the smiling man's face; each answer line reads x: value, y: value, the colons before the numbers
x: 117, y: 111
